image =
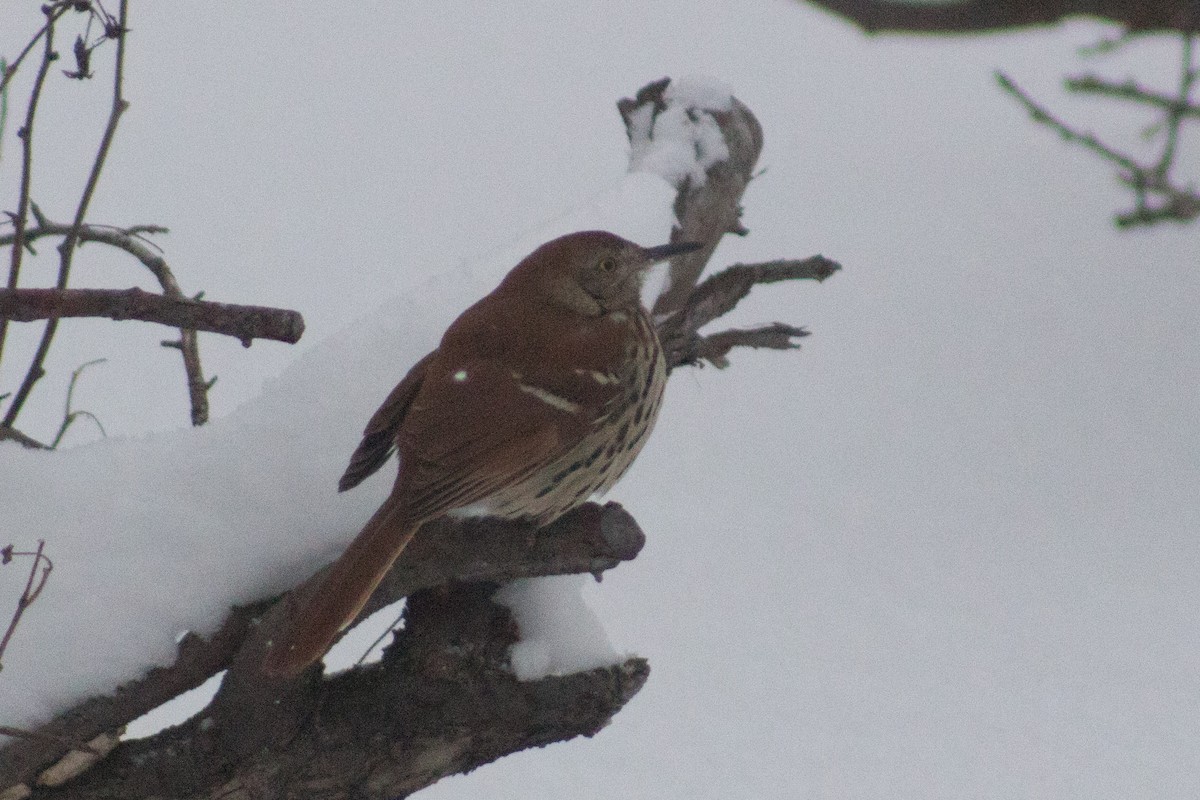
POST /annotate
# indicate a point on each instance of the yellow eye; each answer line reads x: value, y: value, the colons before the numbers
x: 607, y: 264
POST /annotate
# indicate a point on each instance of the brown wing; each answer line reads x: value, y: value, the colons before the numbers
x: 379, y: 437
x: 471, y: 432
x: 483, y: 417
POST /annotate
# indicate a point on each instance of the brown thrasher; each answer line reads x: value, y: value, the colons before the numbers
x: 539, y: 396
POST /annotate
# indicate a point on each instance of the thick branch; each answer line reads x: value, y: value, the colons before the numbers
x: 979, y: 16
x: 442, y: 701
x: 590, y: 539
x: 245, y: 323
x: 22, y: 439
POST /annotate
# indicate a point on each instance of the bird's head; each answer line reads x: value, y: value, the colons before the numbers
x: 591, y: 272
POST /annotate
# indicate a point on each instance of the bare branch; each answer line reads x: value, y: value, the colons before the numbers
x: 245, y: 323
x: 132, y: 241
x: 979, y: 16
x: 39, y: 573
x: 67, y: 247
x: 590, y: 539
x: 722, y: 292
x: 715, y: 347
x: 25, y: 134
x: 53, y: 11
x: 1156, y: 198
x: 442, y: 701
x: 1129, y: 90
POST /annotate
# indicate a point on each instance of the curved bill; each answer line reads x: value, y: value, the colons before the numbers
x: 665, y: 251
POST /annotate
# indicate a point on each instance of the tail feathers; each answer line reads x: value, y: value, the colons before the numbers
x: 341, y: 594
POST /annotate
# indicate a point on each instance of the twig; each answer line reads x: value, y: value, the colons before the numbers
x: 718, y: 295
x: 394, y: 628
x: 3, y: 106
x: 1042, y: 115
x: 31, y: 592
x: 133, y: 242
x: 1129, y: 90
x: 245, y: 323
x: 53, y: 12
x: 67, y: 248
x: 25, y: 134
x: 1175, y: 114
x: 70, y: 416
x: 1170, y: 202
x: 715, y: 347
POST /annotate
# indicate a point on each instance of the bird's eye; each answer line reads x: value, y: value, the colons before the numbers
x: 607, y: 264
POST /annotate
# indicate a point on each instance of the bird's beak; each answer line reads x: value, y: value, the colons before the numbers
x: 664, y: 251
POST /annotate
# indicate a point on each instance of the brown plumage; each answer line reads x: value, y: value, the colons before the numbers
x: 539, y: 396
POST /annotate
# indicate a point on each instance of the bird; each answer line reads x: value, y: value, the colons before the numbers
x: 539, y: 396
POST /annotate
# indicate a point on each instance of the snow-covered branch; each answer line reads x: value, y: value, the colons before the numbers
x: 449, y: 694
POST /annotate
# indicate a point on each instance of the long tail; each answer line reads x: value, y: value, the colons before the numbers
x: 342, y: 593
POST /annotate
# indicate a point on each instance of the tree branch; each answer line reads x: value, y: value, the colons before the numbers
x: 67, y: 247
x: 1131, y: 91
x: 132, y: 240
x: 1156, y: 198
x: 718, y: 295
x: 707, y: 211
x: 245, y: 323
x: 479, y: 552
x: 25, y: 134
x: 444, y: 699
x: 981, y: 16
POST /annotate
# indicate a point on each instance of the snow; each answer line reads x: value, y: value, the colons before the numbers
x: 560, y: 633
x: 946, y: 550
x: 680, y: 142
x: 197, y: 520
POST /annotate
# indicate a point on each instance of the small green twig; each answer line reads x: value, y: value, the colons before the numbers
x: 70, y: 415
